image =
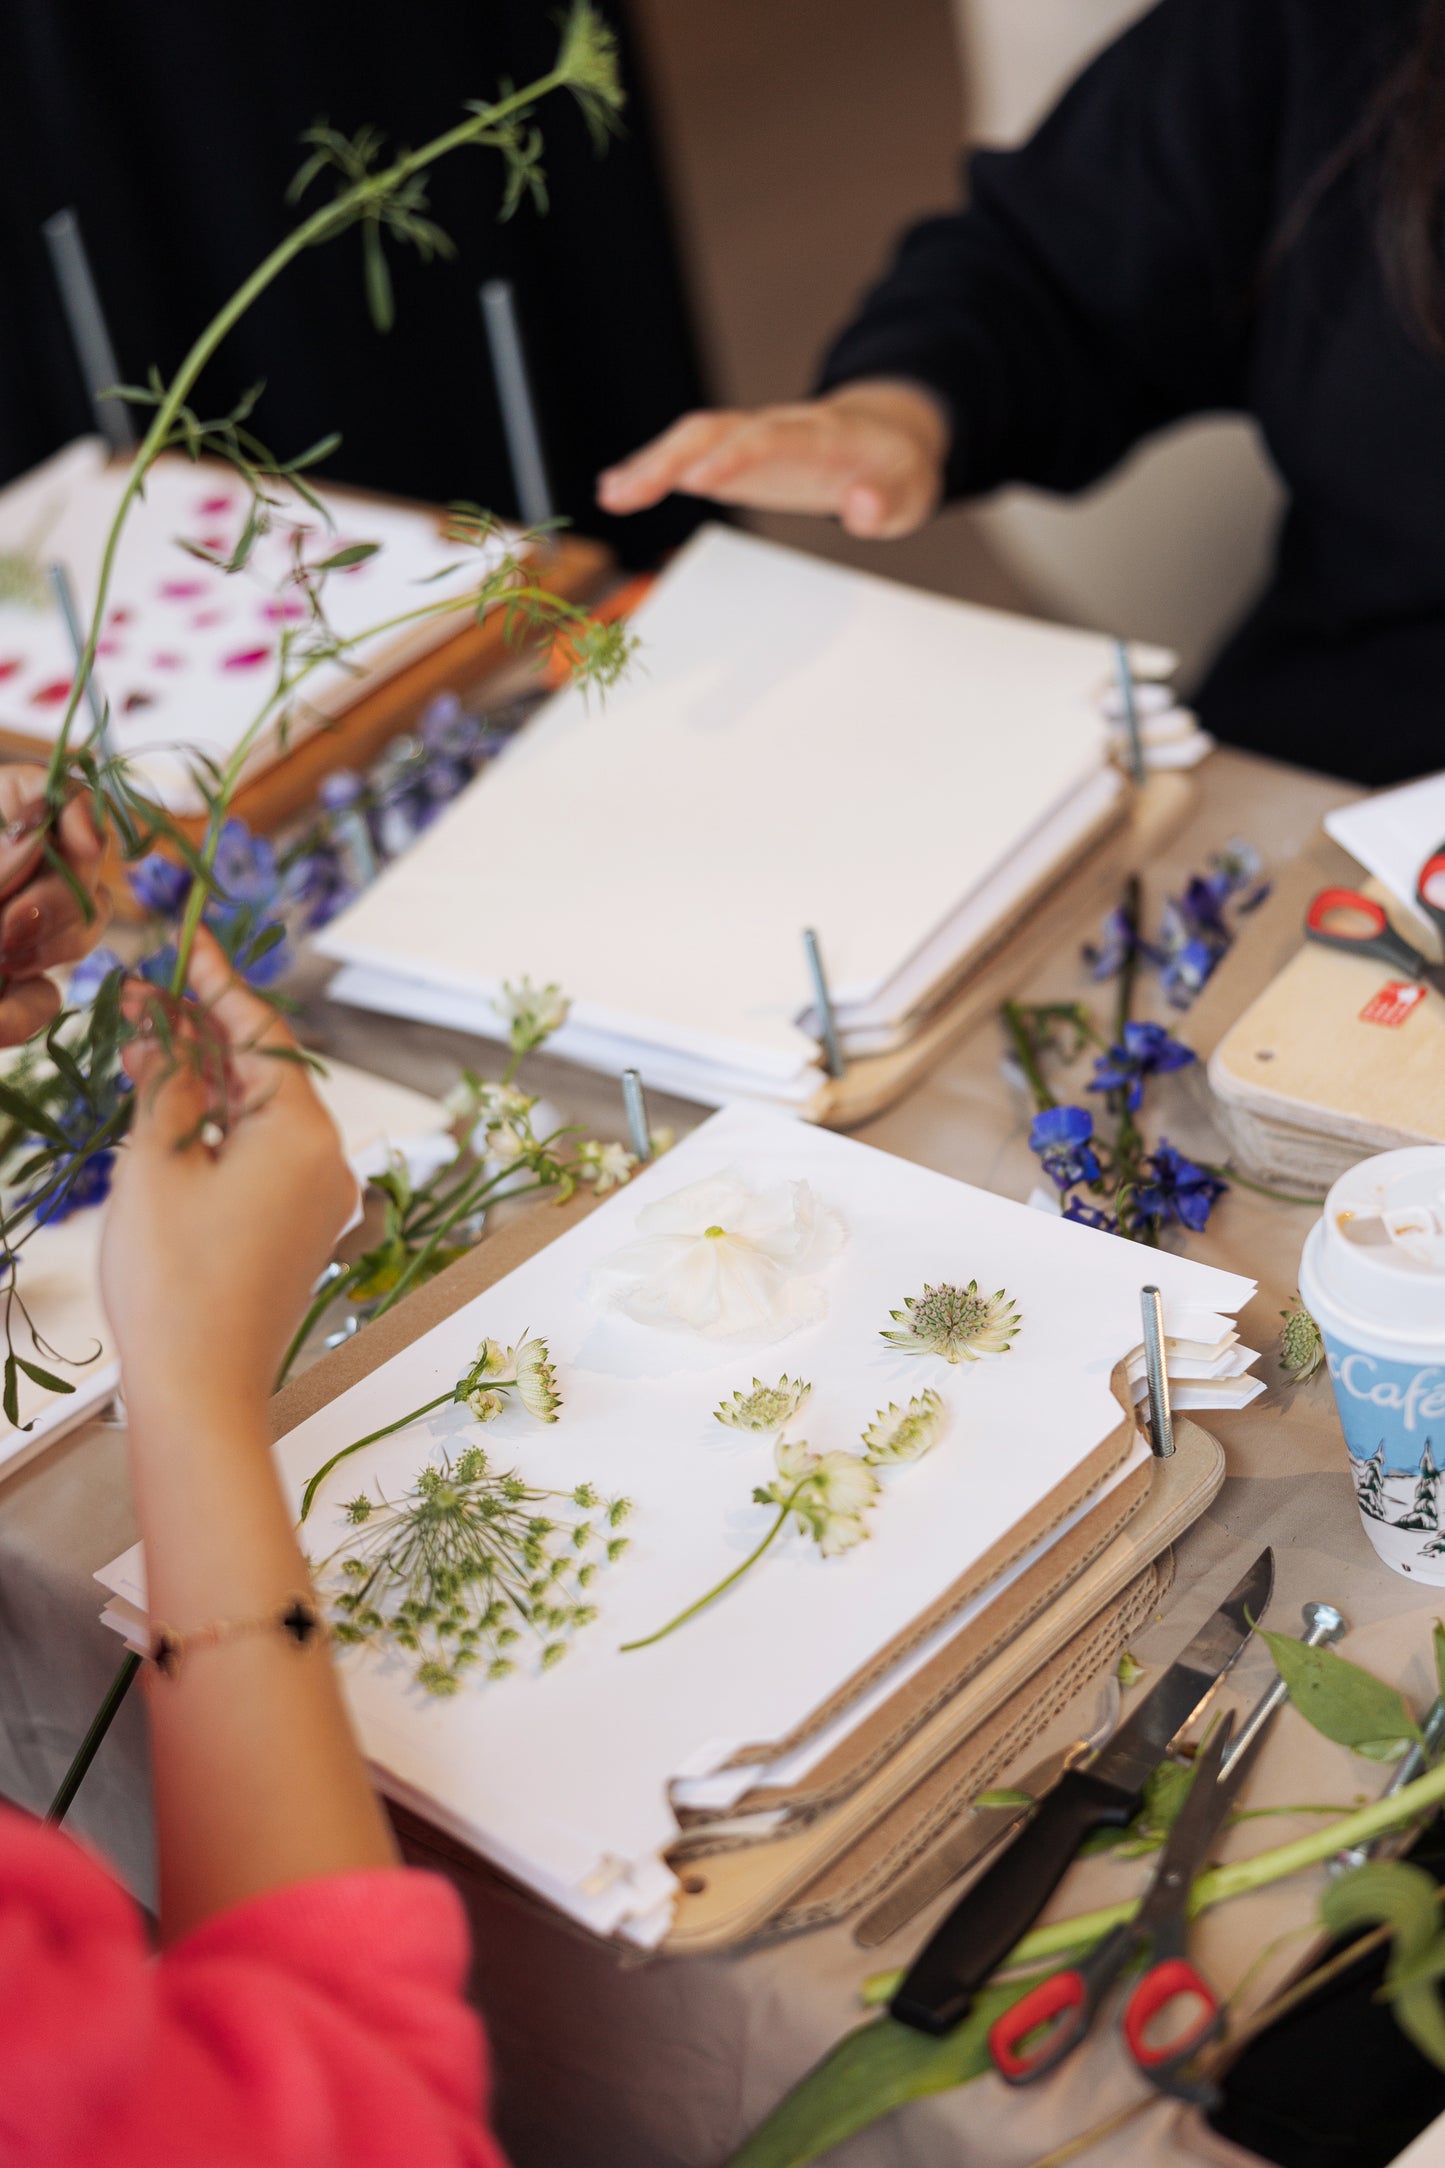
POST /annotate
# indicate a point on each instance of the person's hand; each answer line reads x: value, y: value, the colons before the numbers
x: 42, y: 924
x: 872, y: 454
x: 210, y: 1253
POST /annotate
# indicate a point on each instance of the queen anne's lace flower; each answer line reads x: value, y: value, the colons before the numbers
x: 957, y: 1323
x: 766, y: 1407
x: 725, y: 1261
x: 1301, y: 1348
x: 900, y: 1434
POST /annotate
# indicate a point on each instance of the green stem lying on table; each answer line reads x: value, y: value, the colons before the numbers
x: 1219, y: 1884
x: 413, y: 1416
x: 723, y: 1585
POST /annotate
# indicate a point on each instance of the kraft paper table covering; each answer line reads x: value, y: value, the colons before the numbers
x: 563, y: 1779
x: 608, y: 2063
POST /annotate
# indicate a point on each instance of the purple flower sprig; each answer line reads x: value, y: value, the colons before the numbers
x: 1062, y: 1137
x: 1143, y: 1050
x: 1174, y: 1190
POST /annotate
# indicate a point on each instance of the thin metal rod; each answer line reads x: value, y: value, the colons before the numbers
x: 1413, y: 1765
x: 89, y: 332
x: 519, y: 408
x: 833, y: 1060
x: 100, y: 1724
x: 1124, y: 671
x: 1161, y: 1420
x: 636, y: 1106
x: 64, y: 593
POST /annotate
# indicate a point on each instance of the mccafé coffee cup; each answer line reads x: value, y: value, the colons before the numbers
x: 1373, y: 1278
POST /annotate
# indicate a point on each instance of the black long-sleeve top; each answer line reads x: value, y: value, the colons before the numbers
x: 1124, y: 268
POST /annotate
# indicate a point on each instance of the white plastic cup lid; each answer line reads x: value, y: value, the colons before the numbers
x: 1380, y: 1252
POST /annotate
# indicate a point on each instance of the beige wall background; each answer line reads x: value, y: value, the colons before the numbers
x: 800, y: 137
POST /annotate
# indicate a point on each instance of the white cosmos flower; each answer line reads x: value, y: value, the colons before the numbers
x: 723, y: 1260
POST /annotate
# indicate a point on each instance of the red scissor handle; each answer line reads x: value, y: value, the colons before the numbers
x: 1330, y: 900
x: 1161, y: 1985
x: 1059, y: 2002
x: 1430, y: 888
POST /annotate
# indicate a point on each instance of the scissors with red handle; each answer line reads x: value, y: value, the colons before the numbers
x: 1048, y: 2022
x: 1341, y: 918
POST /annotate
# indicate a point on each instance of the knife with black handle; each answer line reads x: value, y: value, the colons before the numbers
x: 990, y: 1918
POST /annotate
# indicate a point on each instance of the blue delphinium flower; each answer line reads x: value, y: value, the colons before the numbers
x: 1060, y: 1136
x: 317, y: 884
x: 84, y: 1182
x: 238, y: 931
x: 1172, y: 1187
x: 89, y: 975
x: 245, y: 865
x: 159, y: 885
x: 1188, y: 969
x: 1145, y: 1050
x: 1118, y: 943
x: 1090, y: 1215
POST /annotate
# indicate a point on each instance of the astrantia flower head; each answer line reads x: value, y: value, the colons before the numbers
x: 720, y: 1259
x: 766, y: 1407
x: 485, y: 1405
x: 957, y: 1323
x: 531, y: 1013
x: 1061, y: 1137
x: 1301, y: 1347
x: 537, y: 1381
x: 827, y: 1494
x: 900, y: 1434
x: 606, y: 1165
x: 1144, y: 1050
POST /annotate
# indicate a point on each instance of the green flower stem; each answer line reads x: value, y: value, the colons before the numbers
x: 385, y: 1431
x: 429, y: 1249
x: 724, y: 1585
x: 1227, y: 1173
x: 1129, y: 910
x: 1218, y: 1884
x: 321, y: 1302
x: 337, y: 214
x: 1027, y: 1054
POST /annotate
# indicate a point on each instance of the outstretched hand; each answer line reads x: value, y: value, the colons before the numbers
x: 871, y: 454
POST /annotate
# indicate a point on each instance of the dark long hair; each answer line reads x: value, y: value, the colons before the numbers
x: 1411, y: 116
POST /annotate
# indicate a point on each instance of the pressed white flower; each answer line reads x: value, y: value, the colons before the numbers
x: 720, y: 1259
x: 492, y: 1360
x: 827, y: 1493
x: 957, y: 1323
x: 608, y: 1165
x: 899, y: 1434
x: 531, y: 1013
x: 485, y: 1405
x: 766, y: 1407
x: 537, y: 1381
x: 507, y: 1142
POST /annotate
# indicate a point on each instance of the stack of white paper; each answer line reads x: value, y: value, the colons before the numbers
x: 563, y: 1777
x: 188, y: 653
x: 798, y: 745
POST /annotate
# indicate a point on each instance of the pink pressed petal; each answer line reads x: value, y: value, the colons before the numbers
x: 246, y: 658
x: 51, y: 695
x: 282, y: 613
x: 180, y: 590
x: 122, y: 617
x: 210, y: 506
x: 220, y: 543
x: 168, y: 662
x: 110, y: 647
x: 10, y: 665
x: 137, y: 700
x: 203, y: 618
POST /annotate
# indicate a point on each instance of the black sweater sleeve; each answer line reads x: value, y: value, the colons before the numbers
x: 1103, y: 278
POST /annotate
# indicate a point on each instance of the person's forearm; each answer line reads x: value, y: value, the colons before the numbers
x: 258, y: 1781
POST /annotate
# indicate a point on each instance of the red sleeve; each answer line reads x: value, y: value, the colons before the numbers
x: 320, y: 2026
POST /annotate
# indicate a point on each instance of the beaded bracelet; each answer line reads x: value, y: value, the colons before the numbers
x: 298, y: 1618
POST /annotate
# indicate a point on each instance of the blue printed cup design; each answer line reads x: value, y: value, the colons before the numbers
x: 1393, y: 1417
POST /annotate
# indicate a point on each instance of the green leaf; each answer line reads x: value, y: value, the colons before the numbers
x: 45, y: 1378
x: 1348, y: 1704
x: 1438, y: 1638
x: 379, y: 298
x: 31, y: 1116
x: 1005, y: 1798
x: 1402, y: 1897
x: 355, y: 553
x: 872, y: 2070
x: 10, y: 1399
